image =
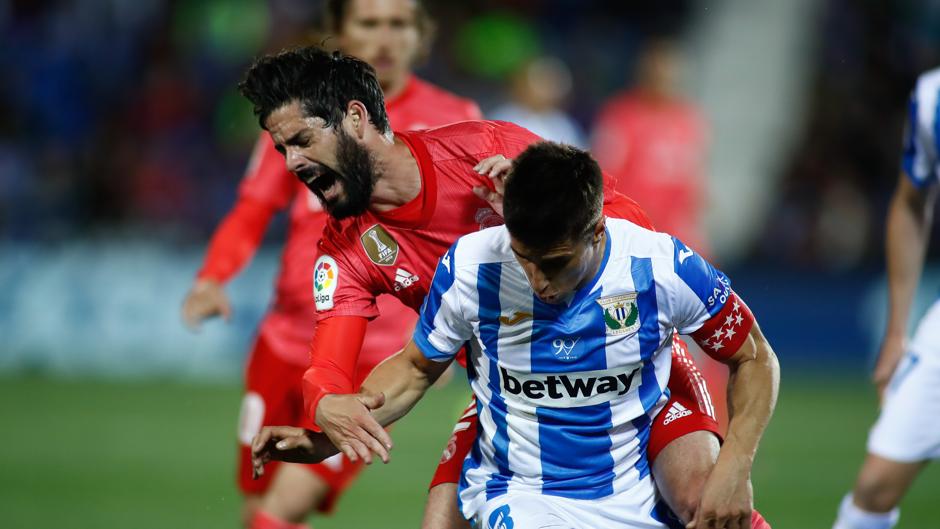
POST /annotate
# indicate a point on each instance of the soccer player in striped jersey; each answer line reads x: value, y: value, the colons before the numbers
x: 568, y: 392
x: 907, y: 374
x: 389, y: 34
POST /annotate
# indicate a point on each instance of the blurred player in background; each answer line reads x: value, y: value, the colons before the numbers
x: 399, y: 200
x: 391, y: 35
x: 907, y: 434
x: 654, y: 142
x: 539, y: 89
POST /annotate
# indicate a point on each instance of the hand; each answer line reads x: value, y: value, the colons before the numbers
x: 497, y: 168
x: 205, y: 300
x: 727, y: 500
x: 347, y: 421
x: 892, y: 349
x: 286, y: 443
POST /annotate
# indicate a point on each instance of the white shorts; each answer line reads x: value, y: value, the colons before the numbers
x: 526, y: 510
x: 907, y: 429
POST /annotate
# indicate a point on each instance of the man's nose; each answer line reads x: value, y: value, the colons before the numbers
x: 293, y: 160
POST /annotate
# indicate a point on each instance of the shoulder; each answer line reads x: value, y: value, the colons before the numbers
x: 630, y: 240
x: 466, y: 138
x: 490, y: 245
x: 926, y: 94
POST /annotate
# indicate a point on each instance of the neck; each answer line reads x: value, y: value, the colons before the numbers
x: 393, y: 88
x: 399, y: 179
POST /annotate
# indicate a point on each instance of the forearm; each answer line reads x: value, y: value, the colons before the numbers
x: 906, y: 236
x: 402, y: 384
x: 334, y: 354
x: 752, y: 395
x: 403, y: 379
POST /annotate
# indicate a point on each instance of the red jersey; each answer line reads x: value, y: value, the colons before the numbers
x: 656, y: 152
x: 396, y: 252
x: 269, y: 187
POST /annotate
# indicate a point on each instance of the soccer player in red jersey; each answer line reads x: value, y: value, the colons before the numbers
x: 397, y: 201
x: 388, y: 34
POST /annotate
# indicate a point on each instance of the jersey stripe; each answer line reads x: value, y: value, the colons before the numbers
x: 641, y: 269
x: 488, y: 282
x: 578, y: 435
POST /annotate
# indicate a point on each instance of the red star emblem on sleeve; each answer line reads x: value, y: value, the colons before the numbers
x: 723, y: 334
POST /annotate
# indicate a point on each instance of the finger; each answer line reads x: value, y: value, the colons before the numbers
x: 374, y: 444
x: 362, y: 450
x: 372, y: 400
x: 500, y: 168
x: 484, y: 165
x: 291, y: 443
x: 259, y: 440
x: 348, y: 451
x: 378, y: 433
x: 482, y: 192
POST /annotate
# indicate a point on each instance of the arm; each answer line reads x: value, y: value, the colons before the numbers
x: 232, y: 246
x: 909, y: 220
x: 390, y: 391
x: 752, y: 394
x: 334, y: 353
x: 266, y: 189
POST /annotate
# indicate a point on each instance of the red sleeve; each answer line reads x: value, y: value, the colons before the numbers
x: 236, y: 239
x: 267, y: 178
x: 333, y: 357
x: 620, y: 206
x: 511, y: 139
x: 348, y: 291
x: 724, y: 333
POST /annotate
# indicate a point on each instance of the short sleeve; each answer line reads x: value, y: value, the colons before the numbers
x: 341, y: 287
x: 267, y: 178
x: 920, y: 157
x: 702, y: 304
x: 442, y: 328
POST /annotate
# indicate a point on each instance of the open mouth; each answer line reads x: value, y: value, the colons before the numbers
x: 324, y: 182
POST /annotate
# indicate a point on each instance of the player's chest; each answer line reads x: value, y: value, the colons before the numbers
x: 607, y: 327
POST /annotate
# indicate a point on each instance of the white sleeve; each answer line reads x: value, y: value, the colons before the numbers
x: 442, y: 327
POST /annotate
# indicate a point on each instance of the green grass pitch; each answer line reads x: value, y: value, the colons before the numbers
x: 87, y: 454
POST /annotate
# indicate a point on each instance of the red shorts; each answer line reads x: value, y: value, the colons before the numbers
x: 689, y: 409
x: 273, y: 398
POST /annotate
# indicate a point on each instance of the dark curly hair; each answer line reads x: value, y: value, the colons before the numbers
x: 322, y: 82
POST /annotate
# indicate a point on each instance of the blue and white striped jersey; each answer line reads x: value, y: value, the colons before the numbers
x: 921, y: 159
x: 566, y: 392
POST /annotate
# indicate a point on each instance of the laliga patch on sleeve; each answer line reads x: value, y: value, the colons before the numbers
x: 325, y: 277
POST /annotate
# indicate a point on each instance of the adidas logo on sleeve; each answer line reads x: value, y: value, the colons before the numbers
x: 676, y: 411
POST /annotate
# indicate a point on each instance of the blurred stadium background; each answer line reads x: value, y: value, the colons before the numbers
x: 122, y: 139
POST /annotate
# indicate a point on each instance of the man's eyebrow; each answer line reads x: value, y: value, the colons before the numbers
x: 295, y: 138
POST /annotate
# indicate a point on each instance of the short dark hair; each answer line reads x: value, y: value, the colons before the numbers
x: 335, y: 11
x: 322, y: 82
x: 554, y: 194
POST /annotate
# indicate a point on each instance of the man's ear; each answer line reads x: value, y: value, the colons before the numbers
x: 599, y: 228
x: 357, y: 119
